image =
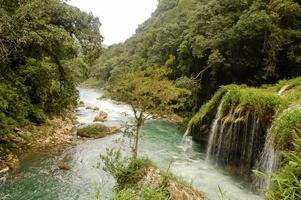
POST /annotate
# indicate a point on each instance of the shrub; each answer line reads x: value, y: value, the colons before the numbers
x: 37, y: 115
x: 127, y: 171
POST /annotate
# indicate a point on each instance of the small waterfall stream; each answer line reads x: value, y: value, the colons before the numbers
x: 283, y: 89
x: 214, y: 131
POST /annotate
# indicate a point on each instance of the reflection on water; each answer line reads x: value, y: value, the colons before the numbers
x: 39, y: 178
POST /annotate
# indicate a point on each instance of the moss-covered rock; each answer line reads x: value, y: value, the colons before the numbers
x: 199, y: 125
x: 96, y: 131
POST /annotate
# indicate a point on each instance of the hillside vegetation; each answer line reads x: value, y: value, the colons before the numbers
x: 216, y: 42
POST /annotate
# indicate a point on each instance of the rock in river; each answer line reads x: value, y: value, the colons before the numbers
x: 103, y: 116
x: 96, y: 131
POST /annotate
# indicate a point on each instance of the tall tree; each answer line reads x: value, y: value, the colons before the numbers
x: 150, y: 94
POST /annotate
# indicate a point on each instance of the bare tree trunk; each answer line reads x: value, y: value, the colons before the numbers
x: 137, y: 137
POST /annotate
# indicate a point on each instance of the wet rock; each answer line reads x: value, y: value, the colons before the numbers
x: 180, y: 192
x: 81, y: 104
x: 2, y: 180
x: 95, y: 109
x: 4, y: 171
x: 151, y: 177
x: 89, y: 108
x: 103, y: 116
x: 11, y: 161
x: 64, y: 166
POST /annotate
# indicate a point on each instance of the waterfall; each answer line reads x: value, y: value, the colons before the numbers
x: 186, y: 141
x: 267, y: 163
x: 283, y: 89
x: 236, y: 140
x: 213, y: 132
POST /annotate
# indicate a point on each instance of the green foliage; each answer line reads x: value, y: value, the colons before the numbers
x: 260, y: 103
x: 126, y: 171
x: 37, y: 115
x: 285, y: 128
x: 149, y: 91
x: 217, y: 42
x: 147, y: 192
x: 150, y: 94
x: 208, y: 107
x: 45, y: 48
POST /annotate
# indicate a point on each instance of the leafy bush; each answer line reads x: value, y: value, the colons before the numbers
x: 126, y: 171
x: 37, y: 115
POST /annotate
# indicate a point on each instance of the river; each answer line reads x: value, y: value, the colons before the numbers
x: 38, y: 177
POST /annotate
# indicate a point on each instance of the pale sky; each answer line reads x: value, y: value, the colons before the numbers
x: 119, y: 18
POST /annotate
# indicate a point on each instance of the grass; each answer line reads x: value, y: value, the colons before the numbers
x: 95, y: 131
x: 146, y: 192
x: 260, y: 103
x: 286, y: 129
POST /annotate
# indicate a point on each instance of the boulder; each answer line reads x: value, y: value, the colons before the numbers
x: 102, y: 116
x: 81, y: 104
x: 64, y: 166
x: 180, y: 192
x: 96, y: 109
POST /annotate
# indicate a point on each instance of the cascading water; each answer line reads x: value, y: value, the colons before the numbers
x: 186, y: 140
x: 236, y: 141
x: 283, y: 89
x: 267, y: 163
x: 214, y: 131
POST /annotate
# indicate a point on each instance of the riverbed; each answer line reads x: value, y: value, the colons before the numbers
x: 39, y: 178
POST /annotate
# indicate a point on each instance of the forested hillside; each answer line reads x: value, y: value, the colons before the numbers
x: 45, y: 49
x: 215, y: 42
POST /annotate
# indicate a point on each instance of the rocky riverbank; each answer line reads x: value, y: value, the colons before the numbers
x: 56, y: 134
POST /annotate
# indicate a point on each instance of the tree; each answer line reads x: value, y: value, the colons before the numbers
x: 150, y: 94
x: 45, y: 49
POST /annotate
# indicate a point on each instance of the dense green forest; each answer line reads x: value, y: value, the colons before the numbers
x: 214, y: 42
x: 46, y: 47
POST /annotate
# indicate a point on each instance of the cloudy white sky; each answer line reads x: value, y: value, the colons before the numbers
x: 119, y: 18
